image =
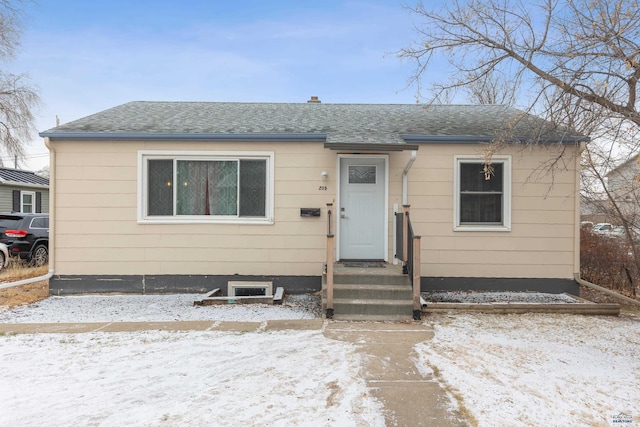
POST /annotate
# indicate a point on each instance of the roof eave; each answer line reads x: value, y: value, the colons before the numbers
x: 472, y: 139
x: 24, y: 184
x: 368, y: 147
x: 157, y: 136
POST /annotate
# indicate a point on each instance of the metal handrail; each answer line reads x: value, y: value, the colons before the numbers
x: 399, y: 236
x: 408, y: 251
x: 410, y: 237
x: 329, y: 265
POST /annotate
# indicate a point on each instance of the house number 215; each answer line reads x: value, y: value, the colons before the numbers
x: 322, y: 188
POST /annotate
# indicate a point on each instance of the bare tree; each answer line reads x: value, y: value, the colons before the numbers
x: 491, y: 88
x: 18, y: 98
x: 582, y: 52
x: 575, y: 63
x: 616, y: 201
x: 44, y: 172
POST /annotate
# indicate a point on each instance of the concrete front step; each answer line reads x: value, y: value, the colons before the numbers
x: 389, y: 275
x: 371, y: 279
x: 362, y: 293
x: 372, y: 317
x: 357, y: 291
x: 372, y: 307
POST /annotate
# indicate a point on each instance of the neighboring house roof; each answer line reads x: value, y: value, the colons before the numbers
x: 334, y: 124
x: 622, y: 181
x: 21, y: 177
x: 630, y: 163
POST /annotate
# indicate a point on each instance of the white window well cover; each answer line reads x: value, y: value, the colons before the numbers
x: 235, y: 289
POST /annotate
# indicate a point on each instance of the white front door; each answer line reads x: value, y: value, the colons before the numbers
x: 362, y: 208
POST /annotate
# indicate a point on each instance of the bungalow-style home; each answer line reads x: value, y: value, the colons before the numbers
x: 23, y: 191
x: 156, y: 197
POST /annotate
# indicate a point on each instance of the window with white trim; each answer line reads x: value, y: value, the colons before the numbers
x: 206, y: 187
x: 27, y: 201
x: 482, y: 193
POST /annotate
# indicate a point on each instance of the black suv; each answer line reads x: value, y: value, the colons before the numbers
x: 26, y: 236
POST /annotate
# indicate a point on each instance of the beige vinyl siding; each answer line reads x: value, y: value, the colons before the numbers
x: 97, y: 233
x: 541, y: 241
x: 97, y: 201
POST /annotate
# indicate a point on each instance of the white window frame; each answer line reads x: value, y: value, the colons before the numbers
x: 33, y: 201
x: 145, y: 155
x: 506, y: 193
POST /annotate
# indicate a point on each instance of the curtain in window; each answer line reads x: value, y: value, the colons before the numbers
x: 191, y: 181
x: 207, y: 188
x: 222, y: 188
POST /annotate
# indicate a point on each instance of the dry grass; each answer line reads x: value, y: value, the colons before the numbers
x: 471, y: 419
x: 599, y: 297
x: 23, y: 294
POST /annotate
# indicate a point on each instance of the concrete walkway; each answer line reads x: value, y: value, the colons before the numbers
x: 409, y: 398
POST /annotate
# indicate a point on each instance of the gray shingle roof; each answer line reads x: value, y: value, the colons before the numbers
x: 627, y: 164
x: 8, y: 176
x: 340, y: 123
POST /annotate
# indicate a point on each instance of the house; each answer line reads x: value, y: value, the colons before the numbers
x: 622, y: 181
x: 624, y: 186
x: 23, y: 191
x: 156, y: 197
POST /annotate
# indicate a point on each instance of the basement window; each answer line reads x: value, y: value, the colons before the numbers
x: 245, y: 289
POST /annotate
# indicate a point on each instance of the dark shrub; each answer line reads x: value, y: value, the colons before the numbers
x: 608, y: 262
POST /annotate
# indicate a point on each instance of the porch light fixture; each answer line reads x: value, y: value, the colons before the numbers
x: 324, y: 175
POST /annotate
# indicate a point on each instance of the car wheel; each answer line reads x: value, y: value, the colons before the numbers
x: 40, y: 255
x: 2, y: 260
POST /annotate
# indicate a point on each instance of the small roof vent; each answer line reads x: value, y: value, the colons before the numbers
x: 314, y: 100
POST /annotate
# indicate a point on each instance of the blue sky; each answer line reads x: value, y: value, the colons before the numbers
x: 87, y: 56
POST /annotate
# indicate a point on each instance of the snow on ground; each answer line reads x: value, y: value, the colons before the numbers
x: 151, y: 308
x: 538, y: 369
x: 287, y: 378
x: 153, y: 378
x: 525, y: 370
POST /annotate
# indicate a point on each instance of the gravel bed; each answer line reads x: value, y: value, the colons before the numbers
x: 498, y: 297
x: 307, y: 303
